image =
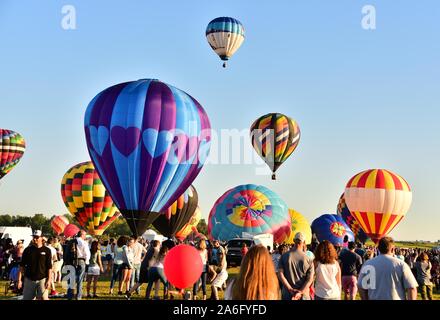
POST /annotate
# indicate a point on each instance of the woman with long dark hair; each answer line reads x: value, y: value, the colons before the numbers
x: 95, y: 268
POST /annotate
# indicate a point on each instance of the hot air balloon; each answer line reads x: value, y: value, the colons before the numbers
x: 178, y: 214
x: 191, y: 226
x: 86, y: 198
x: 274, y: 137
x: 12, y: 147
x: 58, y: 224
x: 344, y: 212
x: 252, y: 209
x: 225, y: 35
x: 148, y: 141
x: 378, y: 199
x: 299, y: 224
x: 333, y: 228
x: 70, y: 230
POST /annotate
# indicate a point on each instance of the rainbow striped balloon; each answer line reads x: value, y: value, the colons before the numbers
x: 86, y: 198
x: 252, y: 209
x: 12, y: 147
x: 378, y: 199
x: 344, y: 212
x: 274, y: 137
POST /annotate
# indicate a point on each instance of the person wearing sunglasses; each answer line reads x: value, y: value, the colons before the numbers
x: 36, y: 266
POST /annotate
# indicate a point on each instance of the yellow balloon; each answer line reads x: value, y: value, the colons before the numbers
x: 299, y: 224
x: 191, y: 225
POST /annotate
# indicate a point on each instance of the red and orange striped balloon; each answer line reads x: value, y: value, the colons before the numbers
x: 58, y: 224
x: 378, y: 199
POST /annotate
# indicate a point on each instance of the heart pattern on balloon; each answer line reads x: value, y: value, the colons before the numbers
x: 126, y: 140
x: 156, y: 142
x: 99, y: 138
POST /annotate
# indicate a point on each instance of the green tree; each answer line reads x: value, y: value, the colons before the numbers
x: 202, y: 227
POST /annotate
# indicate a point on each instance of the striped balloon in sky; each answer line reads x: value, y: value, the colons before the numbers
x: 252, y: 209
x: 378, y: 199
x: 274, y: 137
x: 86, y: 198
x: 12, y: 147
x: 148, y: 141
x: 225, y: 35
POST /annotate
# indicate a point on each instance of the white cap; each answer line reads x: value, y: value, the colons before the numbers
x: 299, y: 237
x: 36, y: 233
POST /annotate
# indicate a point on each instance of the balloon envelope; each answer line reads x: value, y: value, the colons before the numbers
x: 183, y: 266
x: 225, y: 35
x: 12, y: 147
x: 333, y: 228
x: 274, y: 137
x: 299, y: 224
x: 191, y: 226
x: 148, y: 141
x: 58, y: 224
x: 252, y: 209
x: 178, y: 214
x: 378, y: 199
x: 70, y: 230
x: 86, y: 198
x: 344, y: 212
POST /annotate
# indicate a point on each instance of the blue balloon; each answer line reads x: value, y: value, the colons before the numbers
x: 333, y: 228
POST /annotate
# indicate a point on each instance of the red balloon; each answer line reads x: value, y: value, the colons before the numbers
x: 183, y: 266
x: 70, y: 230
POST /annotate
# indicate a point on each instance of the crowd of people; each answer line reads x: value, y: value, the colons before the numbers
x: 320, y: 271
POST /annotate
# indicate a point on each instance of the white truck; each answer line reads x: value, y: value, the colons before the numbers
x: 17, y: 233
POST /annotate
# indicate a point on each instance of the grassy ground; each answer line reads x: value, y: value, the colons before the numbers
x: 104, y: 284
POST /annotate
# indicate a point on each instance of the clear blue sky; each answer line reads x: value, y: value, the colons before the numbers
x: 363, y: 99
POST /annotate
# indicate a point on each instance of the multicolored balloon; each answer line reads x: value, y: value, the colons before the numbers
x: 344, y: 212
x: 148, y: 141
x: 252, y: 209
x: 12, y: 147
x: 299, y: 224
x: 178, y: 214
x: 378, y: 199
x: 86, y: 198
x: 58, y: 224
x: 274, y: 137
x: 225, y: 36
x: 333, y: 228
x: 191, y: 226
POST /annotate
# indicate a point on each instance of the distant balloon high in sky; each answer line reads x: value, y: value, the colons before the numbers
x: 345, y: 213
x: 173, y: 219
x: 225, y: 35
x: 148, y: 141
x: 252, y: 209
x: 274, y: 137
x: 12, y: 146
x: 333, y: 228
x: 86, y: 198
x: 378, y: 199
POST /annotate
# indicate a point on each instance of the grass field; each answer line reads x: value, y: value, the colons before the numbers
x: 104, y: 285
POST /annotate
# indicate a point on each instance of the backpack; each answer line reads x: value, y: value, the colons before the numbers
x: 70, y: 254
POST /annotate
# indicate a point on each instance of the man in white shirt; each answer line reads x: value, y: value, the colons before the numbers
x: 81, y: 260
x: 386, y: 277
x: 138, y: 252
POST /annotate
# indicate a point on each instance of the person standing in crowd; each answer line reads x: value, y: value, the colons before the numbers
x: 156, y: 272
x: 36, y: 266
x: 138, y: 252
x: 150, y: 257
x: 244, y: 250
x: 78, y: 256
x: 50, y: 244
x: 423, y: 267
x: 345, y: 242
x: 204, y: 255
x: 127, y: 264
x: 360, y: 250
x: 276, y: 256
x: 386, y: 277
x: 351, y: 264
x: 328, y: 272
x: 94, y: 268
x: 59, y: 263
x: 118, y: 260
x: 110, y: 255
x: 296, y: 271
x: 257, y: 279
x: 221, y: 275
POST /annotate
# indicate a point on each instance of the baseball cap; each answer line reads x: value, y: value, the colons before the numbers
x: 299, y: 237
x: 36, y: 233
